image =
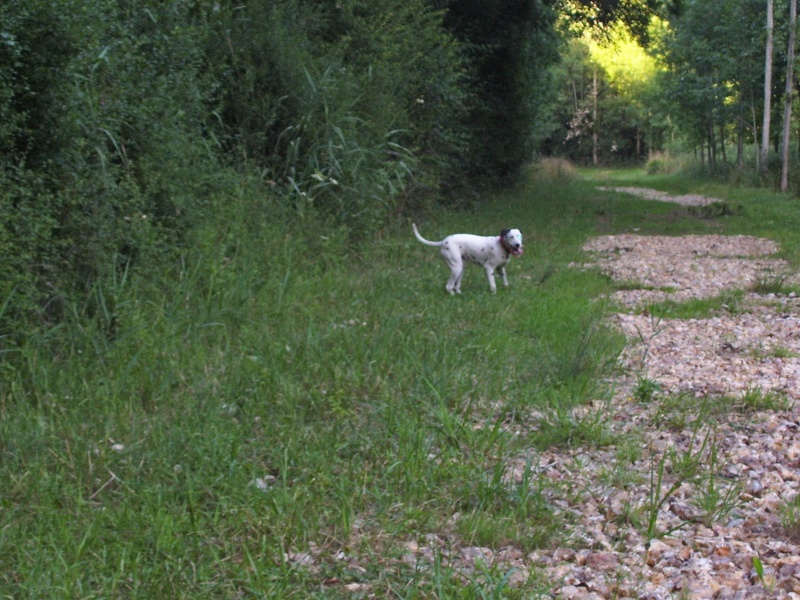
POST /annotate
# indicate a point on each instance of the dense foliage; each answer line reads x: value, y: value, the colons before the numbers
x: 511, y: 45
x: 714, y: 82
x: 605, y: 114
x: 126, y: 124
x: 106, y: 158
x: 704, y: 92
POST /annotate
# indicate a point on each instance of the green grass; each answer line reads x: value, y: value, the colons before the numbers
x: 790, y: 517
x: 729, y: 302
x: 276, y: 392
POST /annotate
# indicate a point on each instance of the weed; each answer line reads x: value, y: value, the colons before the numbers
x: 715, y: 210
x: 657, y: 497
x: 782, y: 352
x: 630, y: 515
x: 697, y: 466
x: 623, y: 285
x: 689, y: 464
x: 646, y: 389
x: 673, y: 411
x: 620, y: 475
x: 771, y: 283
x: 660, y: 163
x: 509, y: 512
x: 790, y: 518
x: 729, y: 302
x: 546, y: 273
x: 555, y: 170
x: 570, y: 429
x: 766, y: 578
x: 713, y: 498
x: 629, y: 449
x: 755, y: 399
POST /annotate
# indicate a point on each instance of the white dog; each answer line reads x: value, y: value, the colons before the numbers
x: 492, y: 252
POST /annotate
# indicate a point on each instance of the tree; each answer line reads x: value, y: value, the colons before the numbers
x: 788, y: 96
x: 635, y: 15
x: 714, y: 53
x: 630, y: 73
x: 605, y: 85
x: 767, y: 88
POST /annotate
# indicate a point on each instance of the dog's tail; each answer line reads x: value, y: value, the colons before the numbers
x: 422, y: 239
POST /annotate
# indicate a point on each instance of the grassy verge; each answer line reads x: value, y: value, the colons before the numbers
x: 278, y: 416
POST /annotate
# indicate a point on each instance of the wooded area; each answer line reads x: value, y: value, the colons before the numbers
x: 126, y: 124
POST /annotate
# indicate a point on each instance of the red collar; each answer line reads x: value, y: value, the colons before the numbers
x: 504, y: 245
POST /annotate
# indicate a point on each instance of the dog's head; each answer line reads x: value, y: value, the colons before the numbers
x: 512, y: 241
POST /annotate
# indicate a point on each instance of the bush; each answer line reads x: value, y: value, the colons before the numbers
x: 104, y: 159
x: 347, y: 107
x: 555, y: 170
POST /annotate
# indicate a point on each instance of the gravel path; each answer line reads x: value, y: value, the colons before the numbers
x: 743, y: 367
x: 706, y: 403
x: 650, y: 194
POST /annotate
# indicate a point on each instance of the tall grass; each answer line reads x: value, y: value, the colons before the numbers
x: 273, y: 393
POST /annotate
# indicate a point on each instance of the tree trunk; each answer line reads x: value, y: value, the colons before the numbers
x: 755, y: 133
x: 712, y: 148
x: 594, y: 117
x: 575, y: 103
x: 787, y: 101
x: 767, y: 89
x: 740, y: 139
x: 722, y: 144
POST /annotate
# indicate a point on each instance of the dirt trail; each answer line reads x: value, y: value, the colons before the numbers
x: 703, y: 406
x: 650, y: 194
x: 743, y: 365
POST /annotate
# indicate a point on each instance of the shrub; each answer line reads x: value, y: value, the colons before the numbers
x: 663, y: 164
x: 347, y: 107
x: 555, y: 170
x: 104, y: 156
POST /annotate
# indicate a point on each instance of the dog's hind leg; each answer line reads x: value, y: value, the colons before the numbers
x: 456, y: 271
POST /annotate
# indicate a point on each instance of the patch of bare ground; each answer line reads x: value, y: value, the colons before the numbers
x: 651, y: 194
x: 659, y: 268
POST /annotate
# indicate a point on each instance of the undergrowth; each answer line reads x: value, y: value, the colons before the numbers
x: 275, y: 392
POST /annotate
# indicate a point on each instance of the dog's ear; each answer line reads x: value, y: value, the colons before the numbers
x: 504, y: 232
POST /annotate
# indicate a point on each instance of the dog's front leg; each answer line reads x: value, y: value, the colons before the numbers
x: 505, y: 279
